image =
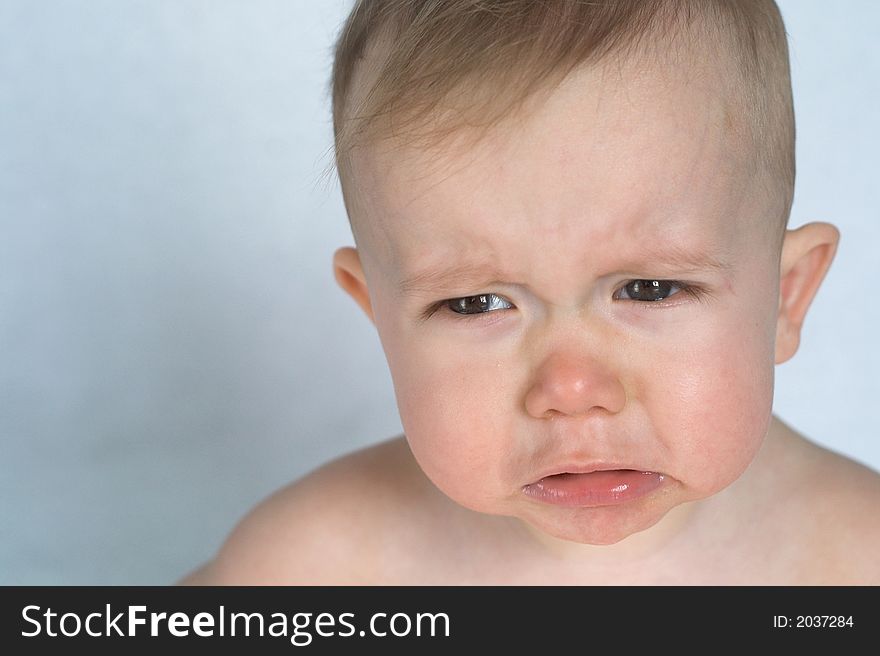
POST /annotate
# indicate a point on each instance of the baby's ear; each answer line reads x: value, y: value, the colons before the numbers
x: 806, y: 256
x: 350, y: 276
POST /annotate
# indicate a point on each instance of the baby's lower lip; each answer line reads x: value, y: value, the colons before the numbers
x: 598, y: 488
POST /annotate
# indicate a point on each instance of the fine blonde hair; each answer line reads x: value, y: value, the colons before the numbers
x: 418, y: 70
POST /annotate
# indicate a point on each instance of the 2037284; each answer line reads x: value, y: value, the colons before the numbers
x: 813, y: 621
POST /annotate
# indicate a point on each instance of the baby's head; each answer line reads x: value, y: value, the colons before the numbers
x: 571, y: 229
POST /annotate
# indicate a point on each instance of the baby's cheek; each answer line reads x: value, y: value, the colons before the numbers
x: 721, y: 411
x: 444, y: 400
x: 449, y: 414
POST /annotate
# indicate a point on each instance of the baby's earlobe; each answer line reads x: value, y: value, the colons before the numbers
x: 807, y: 254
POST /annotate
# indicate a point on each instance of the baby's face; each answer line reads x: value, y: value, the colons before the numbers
x: 593, y: 289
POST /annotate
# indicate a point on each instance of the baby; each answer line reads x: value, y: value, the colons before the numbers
x: 571, y: 227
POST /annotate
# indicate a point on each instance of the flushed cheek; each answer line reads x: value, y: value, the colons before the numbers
x: 454, y: 413
x: 718, y: 410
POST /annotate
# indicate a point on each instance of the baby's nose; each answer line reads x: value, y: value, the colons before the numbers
x: 573, y: 385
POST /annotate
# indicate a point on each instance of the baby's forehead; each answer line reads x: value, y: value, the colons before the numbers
x: 557, y: 241
x: 600, y: 143
x: 583, y: 170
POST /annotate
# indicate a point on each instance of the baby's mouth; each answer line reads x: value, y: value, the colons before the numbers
x: 596, y: 488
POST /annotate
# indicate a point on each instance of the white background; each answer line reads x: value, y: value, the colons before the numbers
x: 173, y: 346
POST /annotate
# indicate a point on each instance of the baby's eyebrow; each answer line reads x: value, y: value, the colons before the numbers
x: 678, y: 259
x: 672, y: 260
x: 438, y: 278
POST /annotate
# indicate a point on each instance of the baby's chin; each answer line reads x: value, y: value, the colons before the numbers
x: 593, y: 526
x: 608, y: 525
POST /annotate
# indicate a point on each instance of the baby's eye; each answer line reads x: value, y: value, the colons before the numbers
x: 645, y: 290
x: 480, y: 304
x: 652, y: 290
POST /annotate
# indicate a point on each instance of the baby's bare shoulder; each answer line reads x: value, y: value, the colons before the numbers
x: 842, y: 500
x: 327, y: 528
